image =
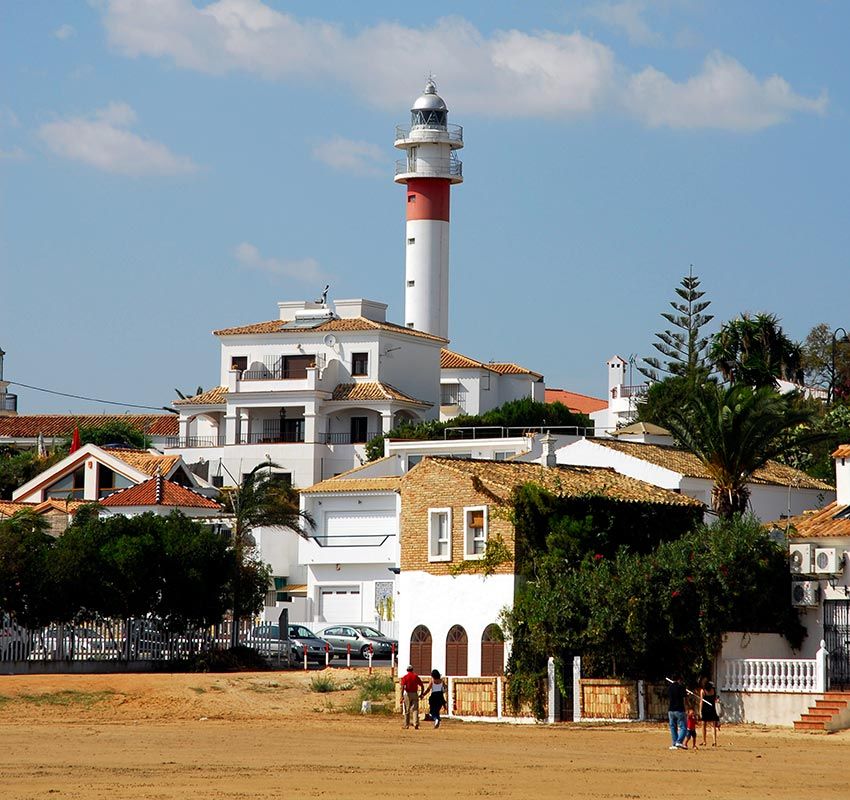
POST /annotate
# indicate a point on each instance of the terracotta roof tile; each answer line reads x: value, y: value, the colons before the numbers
x: 158, y: 492
x: 348, y: 324
x: 503, y: 476
x: 372, y: 391
x: 830, y: 521
x: 9, y: 507
x: 144, y: 461
x: 452, y: 360
x: 685, y: 463
x: 28, y: 426
x: 843, y: 451
x: 338, y: 484
x: 509, y: 368
x: 581, y: 403
x: 211, y: 397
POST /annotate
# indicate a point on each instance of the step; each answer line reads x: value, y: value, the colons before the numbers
x: 801, y: 725
x: 829, y: 705
x: 815, y: 717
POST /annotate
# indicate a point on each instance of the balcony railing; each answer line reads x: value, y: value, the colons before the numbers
x: 277, y: 374
x: 495, y: 432
x: 283, y: 437
x: 344, y: 438
x: 453, y: 133
x: 433, y: 168
x: 194, y: 441
x: 630, y: 391
x: 9, y: 402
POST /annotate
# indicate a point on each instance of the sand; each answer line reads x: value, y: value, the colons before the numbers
x: 264, y: 735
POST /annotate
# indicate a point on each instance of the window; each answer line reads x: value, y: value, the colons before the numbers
x: 411, y: 240
x: 492, y: 651
x: 475, y: 532
x: 440, y: 534
x: 409, y: 324
x: 359, y: 363
x: 239, y: 362
x: 411, y: 283
x: 411, y: 198
x: 70, y: 487
x: 420, y: 650
x: 449, y: 394
x: 109, y: 481
x: 502, y: 455
x: 412, y: 461
x: 359, y: 433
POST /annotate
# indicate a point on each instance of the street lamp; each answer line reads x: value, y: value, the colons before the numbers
x: 832, y: 365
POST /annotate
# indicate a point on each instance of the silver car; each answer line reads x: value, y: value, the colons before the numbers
x: 359, y: 637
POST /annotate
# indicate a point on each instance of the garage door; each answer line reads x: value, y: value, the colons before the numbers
x: 358, y: 528
x: 340, y: 604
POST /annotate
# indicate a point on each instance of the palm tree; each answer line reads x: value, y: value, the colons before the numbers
x: 260, y: 501
x: 755, y: 351
x: 734, y: 431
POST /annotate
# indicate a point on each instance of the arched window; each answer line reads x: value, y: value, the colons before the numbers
x: 456, y: 650
x: 420, y: 650
x: 492, y: 651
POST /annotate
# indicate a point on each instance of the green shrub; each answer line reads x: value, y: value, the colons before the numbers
x: 322, y: 683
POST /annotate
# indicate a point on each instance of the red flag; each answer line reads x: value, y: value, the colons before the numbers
x: 75, y: 440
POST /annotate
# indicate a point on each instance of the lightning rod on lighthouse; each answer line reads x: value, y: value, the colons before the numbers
x: 429, y: 170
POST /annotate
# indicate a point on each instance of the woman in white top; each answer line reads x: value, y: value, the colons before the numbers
x: 437, y: 698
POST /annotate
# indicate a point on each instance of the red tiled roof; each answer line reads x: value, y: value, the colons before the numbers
x: 830, y: 521
x: 347, y: 324
x: 372, y: 391
x: 449, y: 359
x: 158, y: 492
x: 509, y: 368
x: 211, y: 397
x: 28, y: 426
x: 581, y: 403
x: 843, y: 451
x: 9, y: 507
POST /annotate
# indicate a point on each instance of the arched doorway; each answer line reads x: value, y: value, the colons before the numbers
x: 420, y: 650
x: 457, y: 646
x: 492, y: 651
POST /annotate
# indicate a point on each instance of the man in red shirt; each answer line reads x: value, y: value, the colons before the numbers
x: 412, y: 690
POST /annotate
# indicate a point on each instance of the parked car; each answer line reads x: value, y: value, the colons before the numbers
x: 265, y: 639
x: 359, y: 637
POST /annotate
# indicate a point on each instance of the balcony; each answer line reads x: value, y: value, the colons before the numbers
x: 277, y: 374
x: 9, y: 403
x: 194, y: 441
x: 282, y: 437
x: 433, y: 168
x: 344, y: 438
x: 453, y: 134
x: 641, y: 390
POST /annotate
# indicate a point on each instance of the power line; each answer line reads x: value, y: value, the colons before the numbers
x: 92, y: 399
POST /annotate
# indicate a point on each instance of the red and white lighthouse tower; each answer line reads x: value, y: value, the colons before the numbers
x: 429, y: 170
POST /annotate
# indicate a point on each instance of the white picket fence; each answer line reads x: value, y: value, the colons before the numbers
x: 784, y: 675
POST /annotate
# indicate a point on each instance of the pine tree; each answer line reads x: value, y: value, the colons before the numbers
x: 685, y: 350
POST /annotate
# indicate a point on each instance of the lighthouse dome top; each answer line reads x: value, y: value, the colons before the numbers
x: 429, y: 100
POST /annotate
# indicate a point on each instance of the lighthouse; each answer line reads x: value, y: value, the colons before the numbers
x: 428, y: 171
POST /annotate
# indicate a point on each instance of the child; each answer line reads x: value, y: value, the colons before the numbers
x: 691, y: 725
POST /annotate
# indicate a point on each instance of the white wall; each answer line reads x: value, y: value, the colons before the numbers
x: 413, y: 369
x: 441, y: 601
x: 350, y: 576
x: 468, y: 448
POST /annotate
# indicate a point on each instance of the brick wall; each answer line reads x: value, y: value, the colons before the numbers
x: 431, y: 485
x: 604, y: 698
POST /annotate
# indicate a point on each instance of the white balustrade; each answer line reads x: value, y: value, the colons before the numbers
x: 792, y: 675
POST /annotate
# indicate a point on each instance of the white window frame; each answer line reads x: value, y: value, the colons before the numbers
x: 469, y: 536
x: 433, y: 555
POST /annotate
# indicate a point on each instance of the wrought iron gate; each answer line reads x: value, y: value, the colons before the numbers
x: 836, y: 635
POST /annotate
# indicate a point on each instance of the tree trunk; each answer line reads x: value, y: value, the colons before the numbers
x: 728, y: 501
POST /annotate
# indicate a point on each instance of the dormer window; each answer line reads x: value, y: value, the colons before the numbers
x: 360, y: 364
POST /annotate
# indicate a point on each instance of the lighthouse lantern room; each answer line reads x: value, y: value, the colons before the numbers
x: 428, y: 171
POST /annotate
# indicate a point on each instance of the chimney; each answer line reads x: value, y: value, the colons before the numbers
x: 548, y: 457
x: 842, y: 475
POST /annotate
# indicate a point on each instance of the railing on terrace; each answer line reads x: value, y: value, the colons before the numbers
x: 640, y: 390
x: 344, y: 438
x: 283, y: 437
x: 8, y: 402
x: 495, y: 432
x: 453, y: 133
x: 277, y: 374
x: 789, y: 675
x: 194, y: 441
x: 433, y: 168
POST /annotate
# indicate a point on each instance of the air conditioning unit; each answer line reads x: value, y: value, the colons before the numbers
x: 828, y: 561
x: 801, y: 559
x: 804, y: 593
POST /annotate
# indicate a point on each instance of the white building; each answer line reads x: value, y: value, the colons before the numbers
x: 623, y: 397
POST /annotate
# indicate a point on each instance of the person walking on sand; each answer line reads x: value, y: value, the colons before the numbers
x: 412, y: 689
x: 691, y: 725
x: 676, y: 712
x: 437, y: 698
x: 708, y: 708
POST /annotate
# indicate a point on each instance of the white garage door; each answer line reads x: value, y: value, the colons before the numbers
x: 359, y: 528
x: 340, y: 604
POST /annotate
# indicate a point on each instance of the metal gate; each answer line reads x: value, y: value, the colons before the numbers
x: 836, y: 635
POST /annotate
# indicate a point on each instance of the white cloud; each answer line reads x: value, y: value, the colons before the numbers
x: 626, y: 17
x: 306, y: 270
x: 505, y: 74
x: 64, y: 32
x: 723, y: 95
x: 347, y: 155
x: 102, y: 141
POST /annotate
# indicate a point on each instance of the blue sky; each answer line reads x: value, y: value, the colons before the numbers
x: 168, y: 168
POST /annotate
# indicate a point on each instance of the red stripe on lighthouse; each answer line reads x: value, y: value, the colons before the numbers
x: 428, y: 198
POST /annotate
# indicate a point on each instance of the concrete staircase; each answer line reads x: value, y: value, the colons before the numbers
x: 831, y: 712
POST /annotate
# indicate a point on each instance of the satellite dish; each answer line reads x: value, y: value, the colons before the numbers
x: 330, y: 340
